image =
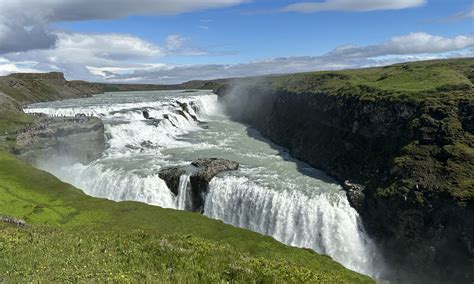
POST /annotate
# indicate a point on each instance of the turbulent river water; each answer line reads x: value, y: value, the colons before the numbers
x: 272, y: 193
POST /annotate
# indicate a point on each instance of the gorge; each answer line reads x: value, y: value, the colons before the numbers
x: 271, y: 193
x: 394, y: 200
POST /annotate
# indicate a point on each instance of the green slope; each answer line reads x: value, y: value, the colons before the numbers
x: 412, y: 81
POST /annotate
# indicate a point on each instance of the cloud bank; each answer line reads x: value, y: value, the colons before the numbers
x: 127, y: 58
x: 463, y: 15
x: 24, y: 24
x: 351, y: 5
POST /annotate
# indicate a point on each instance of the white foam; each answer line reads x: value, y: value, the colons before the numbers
x: 324, y: 222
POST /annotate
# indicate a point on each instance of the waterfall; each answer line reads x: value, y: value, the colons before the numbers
x: 324, y: 222
x: 268, y: 195
x: 183, y: 191
x: 114, y: 184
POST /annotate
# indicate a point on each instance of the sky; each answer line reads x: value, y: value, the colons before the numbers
x: 172, y: 41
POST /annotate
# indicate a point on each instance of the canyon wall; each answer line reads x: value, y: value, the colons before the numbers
x: 407, y: 156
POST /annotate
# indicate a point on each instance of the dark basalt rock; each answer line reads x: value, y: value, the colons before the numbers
x: 355, y: 194
x: 80, y: 138
x: 146, y: 114
x: 410, y: 156
x: 13, y: 221
x: 171, y: 177
x: 185, y: 108
x: 201, y: 172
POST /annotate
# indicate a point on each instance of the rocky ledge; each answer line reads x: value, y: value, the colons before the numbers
x: 201, y: 172
x: 80, y: 138
x: 13, y: 221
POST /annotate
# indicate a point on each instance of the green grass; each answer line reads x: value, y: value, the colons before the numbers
x: 48, y: 254
x: 12, y: 121
x: 144, y: 241
x: 410, y: 81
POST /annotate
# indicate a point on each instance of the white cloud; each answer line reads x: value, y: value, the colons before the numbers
x: 174, y: 42
x: 463, y: 15
x: 411, y: 47
x: 7, y: 67
x: 179, y: 45
x: 24, y: 24
x: 414, y: 43
x: 73, y: 52
x: 106, y: 46
x: 352, y: 5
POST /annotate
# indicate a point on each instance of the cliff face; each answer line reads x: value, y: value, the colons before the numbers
x: 80, y: 139
x: 411, y: 151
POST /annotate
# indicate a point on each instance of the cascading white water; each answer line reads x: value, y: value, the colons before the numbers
x: 271, y: 193
x: 128, y: 130
x: 183, y: 192
x: 115, y: 184
x: 324, y: 222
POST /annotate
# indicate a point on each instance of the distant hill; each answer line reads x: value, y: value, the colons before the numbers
x: 37, y: 87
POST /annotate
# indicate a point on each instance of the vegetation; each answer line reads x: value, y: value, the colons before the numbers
x: 10, y: 122
x: 48, y: 254
x: 412, y: 81
x: 11, y: 116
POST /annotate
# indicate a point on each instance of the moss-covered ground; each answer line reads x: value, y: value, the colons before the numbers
x: 410, y: 81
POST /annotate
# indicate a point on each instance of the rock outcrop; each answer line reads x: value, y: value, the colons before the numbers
x: 200, y: 173
x: 79, y: 138
x: 13, y: 221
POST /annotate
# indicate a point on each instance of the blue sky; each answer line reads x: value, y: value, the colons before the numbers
x: 230, y: 35
x: 256, y: 36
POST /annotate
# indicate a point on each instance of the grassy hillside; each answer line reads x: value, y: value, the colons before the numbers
x: 415, y: 80
x: 11, y: 116
x: 74, y: 237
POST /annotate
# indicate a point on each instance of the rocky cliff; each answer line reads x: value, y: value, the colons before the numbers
x: 78, y: 138
x: 200, y: 172
x: 403, y: 138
